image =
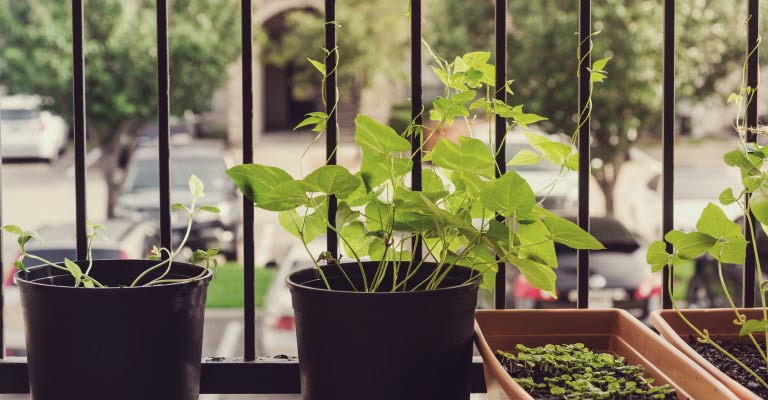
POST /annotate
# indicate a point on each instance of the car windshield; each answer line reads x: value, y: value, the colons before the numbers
x: 144, y: 175
x: 17, y: 114
x: 702, y: 183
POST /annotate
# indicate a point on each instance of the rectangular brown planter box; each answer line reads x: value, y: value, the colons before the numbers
x: 613, y: 331
x: 719, y: 323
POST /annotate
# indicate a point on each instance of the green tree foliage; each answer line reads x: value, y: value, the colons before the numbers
x: 542, y: 60
x: 121, y: 67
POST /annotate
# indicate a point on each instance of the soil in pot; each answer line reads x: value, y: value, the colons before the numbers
x: 745, y: 352
x: 574, y: 371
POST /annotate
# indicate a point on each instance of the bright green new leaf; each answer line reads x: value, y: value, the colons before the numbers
x: 567, y: 233
x: 332, y: 180
x: 733, y: 97
x: 556, y: 153
x: 464, y: 97
x: 758, y: 203
x: 508, y: 194
x: 539, y: 276
x: 345, y: 214
x: 489, y: 277
x: 195, y: 186
x: 527, y: 119
x: 75, y: 270
x: 600, y: 64
x: 753, y: 326
x: 377, y: 168
x: 373, y: 135
x: 210, y: 209
x: 19, y: 264
x: 306, y: 229
x: 318, y: 65
x: 88, y: 283
x: 178, y: 207
x: 536, y: 243
x: 690, y: 245
x: 715, y: 223
x: 256, y: 181
x: 747, y: 163
x: 357, y: 242
x: 727, y: 197
x: 13, y: 229
x: 431, y: 181
x: 657, y: 256
x: 524, y: 157
x: 284, y: 197
x: 572, y: 162
x: 468, y: 155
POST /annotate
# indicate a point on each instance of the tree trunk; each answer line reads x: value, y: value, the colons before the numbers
x: 111, y: 148
x: 606, y: 179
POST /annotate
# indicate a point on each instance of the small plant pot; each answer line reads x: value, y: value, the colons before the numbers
x: 116, y: 342
x: 383, y: 345
x: 611, y: 331
x: 719, y: 323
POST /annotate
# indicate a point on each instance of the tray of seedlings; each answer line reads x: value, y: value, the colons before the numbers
x: 584, y: 354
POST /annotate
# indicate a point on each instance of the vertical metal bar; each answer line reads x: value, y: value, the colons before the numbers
x: 249, y: 276
x: 748, y: 292
x: 500, y: 300
x: 164, y: 134
x: 331, y: 135
x: 416, y: 109
x: 668, y: 140
x: 585, y: 57
x: 78, y: 89
x: 2, y: 265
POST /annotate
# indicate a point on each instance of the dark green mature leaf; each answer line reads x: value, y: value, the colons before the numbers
x: 468, y: 155
x: 567, y: 233
x: 306, y: 228
x: 431, y: 181
x: 657, y: 256
x: 345, y: 214
x: 508, y: 194
x: 758, y: 203
x: 373, y: 135
x: 730, y: 246
x: 746, y: 162
x: 332, y: 180
x: 539, y: 276
x: 357, y: 242
x: 753, y: 326
x: 284, y: 197
x: 690, y: 245
x: 256, y: 181
x: 377, y: 168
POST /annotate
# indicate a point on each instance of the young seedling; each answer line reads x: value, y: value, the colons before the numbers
x: 203, y: 258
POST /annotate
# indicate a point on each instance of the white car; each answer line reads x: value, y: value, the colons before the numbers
x: 29, y: 132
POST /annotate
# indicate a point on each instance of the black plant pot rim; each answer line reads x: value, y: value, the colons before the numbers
x: 22, y: 282
x: 290, y: 280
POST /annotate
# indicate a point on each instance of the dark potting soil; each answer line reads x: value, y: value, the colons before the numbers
x: 746, y: 353
x: 582, y: 372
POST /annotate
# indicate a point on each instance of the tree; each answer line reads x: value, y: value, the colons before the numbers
x: 120, y: 57
x: 542, y: 60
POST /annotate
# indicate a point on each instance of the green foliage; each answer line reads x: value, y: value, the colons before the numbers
x: 573, y: 371
x: 204, y: 258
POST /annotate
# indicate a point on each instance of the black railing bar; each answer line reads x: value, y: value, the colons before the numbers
x: 748, y: 292
x: 164, y: 133
x: 223, y: 376
x: 78, y: 93
x: 417, y: 109
x: 331, y: 139
x: 500, y: 293
x: 668, y: 141
x: 585, y: 57
x: 2, y: 264
x: 249, y: 263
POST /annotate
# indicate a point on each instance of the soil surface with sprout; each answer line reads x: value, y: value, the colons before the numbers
x: 746, y: 353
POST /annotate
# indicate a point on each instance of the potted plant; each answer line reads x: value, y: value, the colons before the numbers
x: 730, y: 342
x: 400, y: 326
x: 115, y: 329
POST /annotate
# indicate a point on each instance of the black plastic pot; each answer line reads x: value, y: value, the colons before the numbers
x: 404, y: 345
x: 113, y: 343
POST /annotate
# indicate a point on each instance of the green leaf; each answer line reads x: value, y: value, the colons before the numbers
x: 377, y: 168
x: 727, y: 197
x: 539, y: 276
x: 13, y: 229
x: 75, y: 270
x: 747, y: 163
x: 88, y: 283
x: 468, y: 155
x: 572, y: 162
x: 524, y: 157
x: 715, y: 223
x: 534, y: 237
x: 464, y: 97
x: 733, y: 97
x: 508, y: 194
x: 690, y: 245
x: 210, y: 209
x: 357, y: 243
x: 332, y: 180
x: 527, y: 119
x: 373, y: 135
x: 556, y: 153
x: 178, y: 207
x: 758, y: 203
x: 431, y: 181
x: 753, y: 326
x: 286, y: 196
x: 195, y: 186
x: 567, y: 233
x: 318, y: 65
x: 306, y: 229
x: 657, y: 256
x: 600, y: 64
x: 19, y: 264
x: 257, y: 181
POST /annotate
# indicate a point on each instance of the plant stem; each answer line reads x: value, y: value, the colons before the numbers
x: 50, y: 264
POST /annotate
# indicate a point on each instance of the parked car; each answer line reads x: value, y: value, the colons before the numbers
x: 139, y: 197
x: 695, y: 187
x: 126, y: 240
x: 618, y: 276
x: 29, y: 132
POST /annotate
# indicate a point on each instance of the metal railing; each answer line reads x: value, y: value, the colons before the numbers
x: 251, y: 374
